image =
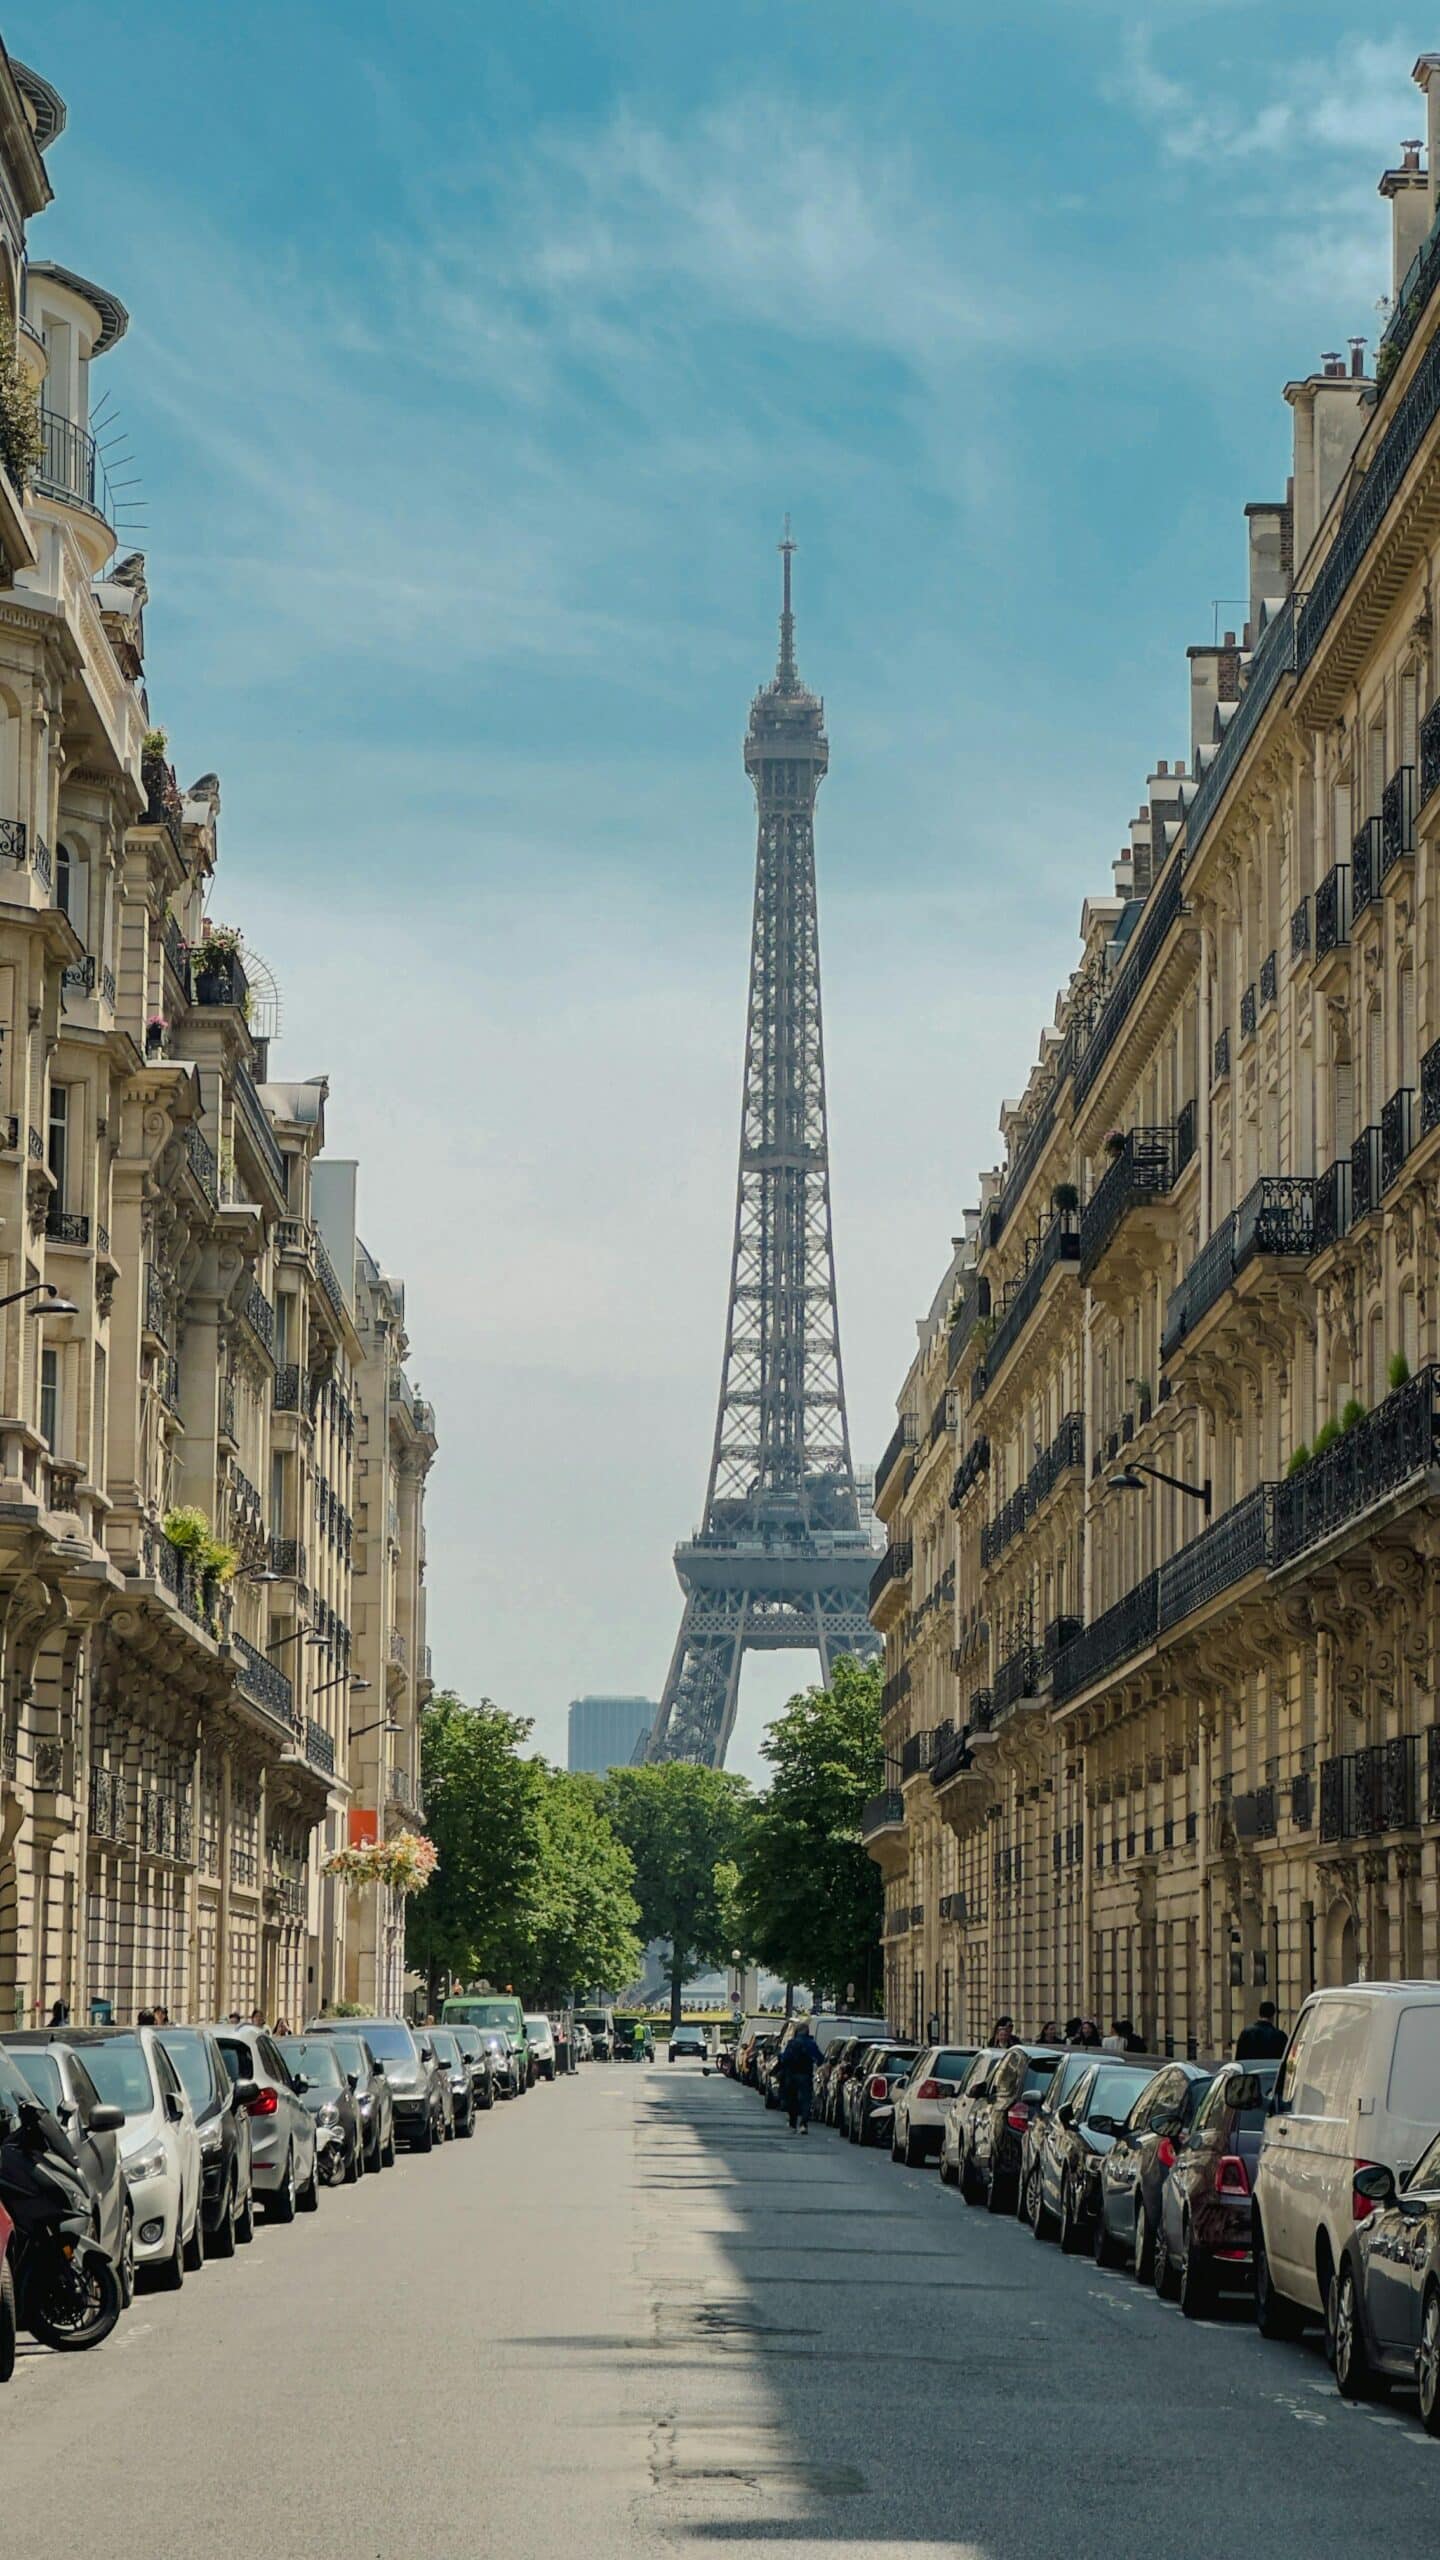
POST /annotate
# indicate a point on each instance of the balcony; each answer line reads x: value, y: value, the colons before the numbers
x: 157, y: 1320
x: 895, y: 1690
x: 263, y: 1683
x: 1145, y: 1168
x: 1397, y: 819
x: 1162, y: 909
x: 1397, y: 1135
x: 326, y: 1270
x: 902, y: 1439
x: 1365, y: 1793
x: 107, y: 1805
x: 1120, y: 1632
x: 919, y: 1753
x: 1381, y: 1452
x: 1220, y: 1057
x: 1026, y: 1156
x: 1017, y: 1677
x: 1060, y: 1244
x: 78, y: 978
x: 70, y: 467
x: 1364, y: 867
x: 1239, y: 1543
x: 288, y: 1388
x: 257, y: 1123
x: 1249, y: 1012
x: 1365, y: 1173
x: 200, y: 1157
x: 1008, y: 1522
x: 1269, y: 981
x: 1332, y: 911
x: 1275, y: 1220
x: 892, y: 1571
x: 974, y: 1464
x: 1066, y: 1450
x: 319, y: 1747
x: 1430, y: 754
x: 953, y: 1761
x: 1301, y: 931
x: 973, y: 1304
x: 1273, y: 658
x: 218, y: 977
x: 66, y: 1226
x: 288, y: 1559
x: 260, y: 1316
x: 1332, y: 1204
x: 885, y: 1812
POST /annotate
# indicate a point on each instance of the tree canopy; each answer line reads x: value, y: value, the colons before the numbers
x: 809, y: 1900
x: 682, y: 1826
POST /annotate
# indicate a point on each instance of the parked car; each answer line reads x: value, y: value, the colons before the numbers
x: 599, y: 2026
x: 870, y: 2096
x: 363, y: 2069
x: 509, y: 2072
x: 763, y: 2049
x: 490, y: 2009
x: 835, y: 2073
x: 159, y: 2147
x: 918, y: 2127
x: 1387, y: 2295
x: 324, y: 2087
x: 1137, y: 2166
x: 955, y: 2128
x: 1204, y: 2241
x: 60, y: 2081
x: 480, y: 2062
x: 687, y: 2044
x: 413, y: 2092
x: 227, y: 2193
x: 442, y: 2092
x: 992, y: 2118
x: 1071, y: 2071
x: 285, y: 2159
x: 584, y: 2042
x: 457, y: 2069
x: 1080, y: 2134
x: 541, y: 2036
x: 1359, y: 2083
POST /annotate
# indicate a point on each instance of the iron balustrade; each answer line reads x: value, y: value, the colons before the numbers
x: 1397, y: 1135
x: 1373, y: 495
x: 167, y: 1378
x: 1365, y: 1172
x: 288, y: 1558
x: 40, y: 856
x: 1059, y: 1633
x: 974, y: 1303
x: 1332, y: 910
x: 1378, y: 1454
x: 1032, y: 1147
x: 885, y: 1812
x: 287, y: 1388
x: 952, y: 1761
x: 218, y: 977
x: 1145, y: 1167
x: 972, y: 1467
x: 939, y: 1418
x: 1302, y: 1800
x: 1300, y: 931
x: 1276, y: 1217
x: 1430, y: 1088
x: 1015, y: 1678
x: 319, y: 1747
x: 894, y: 1689
x: 1417, y: 285
x: 69, y: 467
x: 157, y: 1320
x: 1366, y: 1793
x: 1184, y: 1136
x: 1364, y: 867
x: 102, y: 1240
x: 257, y: 1121
x: 263, y: 1682
x: 177, y: 953
x: 1273, y: 658
x: 1060, y: 1243
x: 259, y: 1315
x: 897, y: 1923
x: 901, y: 1439
x: 1009, y: 1520
x: 1067, y: 1449
x: 1162, y: 909
x: 1268, y: 980
x: 1397, y: 818
x: 1430, y: 753
x: 894, y: 1566
x: 1239, y: 1543
x: 326, y: 1270
x: 1248, y: 1012
x: 1220, y: 1057
x: 77, y: 978
x: 1332, y: 1204
x: 951, y: 1906
x: 982, y: 1710
x: 916, y: 1755
x: 66, y: 1226
x: 14, y: 842
x: 200, y: 1157
x: 1120, y: 1631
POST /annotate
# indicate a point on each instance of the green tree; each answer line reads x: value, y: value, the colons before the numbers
x: 480, y: 1914
x: 588, y: 1915
x: 680, y: 1824
x: 809, y: 1900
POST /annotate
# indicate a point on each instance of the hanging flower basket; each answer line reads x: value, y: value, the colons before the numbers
x: 406, y: 1863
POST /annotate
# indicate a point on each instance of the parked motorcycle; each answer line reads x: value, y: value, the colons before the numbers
x: 66, y: 2286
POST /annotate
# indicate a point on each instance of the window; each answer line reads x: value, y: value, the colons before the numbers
x: 1414, y: 2090
x: 58, y: 1137
x: 50, y: 1398
x: 62, y: 878
x: 1332, y: 2050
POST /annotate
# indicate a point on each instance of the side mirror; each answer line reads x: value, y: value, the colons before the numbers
x: 352, y: 2081
x: 1066, y: 2113
x: 299, y: 2083
x: 1375, y: 2182
x: 1246, y: 2091
x: 106, y: 2120
x: 427, y: 2053
x: 1105, y: 2124
x: 244, y: 2094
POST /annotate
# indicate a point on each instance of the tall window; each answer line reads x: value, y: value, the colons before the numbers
x: 59, y: 1137
x: 50, y: 1398
x: 98, y: 1452
x: 62, y: 878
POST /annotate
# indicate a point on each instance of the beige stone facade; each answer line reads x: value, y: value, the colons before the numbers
x: 181, y: 1336
x: 1182, y: 1379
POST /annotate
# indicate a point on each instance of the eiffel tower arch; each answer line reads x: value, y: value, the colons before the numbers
x: 781, y: 1559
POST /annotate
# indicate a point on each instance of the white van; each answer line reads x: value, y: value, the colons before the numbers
x: 829, y: 2027
x: 1360, y: 2082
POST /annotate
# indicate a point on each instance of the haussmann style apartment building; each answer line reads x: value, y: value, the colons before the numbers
x: 1160, y: 1601
x: 191, y: 1331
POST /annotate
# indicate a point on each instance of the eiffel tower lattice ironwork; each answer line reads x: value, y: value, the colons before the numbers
x: 781, y: 1558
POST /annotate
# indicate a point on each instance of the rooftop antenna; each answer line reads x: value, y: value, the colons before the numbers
x: 786, y: 676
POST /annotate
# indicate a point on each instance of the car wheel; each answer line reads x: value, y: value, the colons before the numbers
x: 424, y: 2141
x: 1162, y: 2266
x: 195, y: 2246
x: 7, y: 2319
x: 1104, y: 2248
x: 1197, y: 2281
x: 355, y: 2163
x: 308, y: 2198
x: 1274, y: 2316
x: 390, y: 2155
x: 1040, y: 2218
x: 281, y: 2206
x: 1144, y: 2259
x: 467, y: 2129
x: 127, y: 2259
x: 170, y: 2274
x: 997, y: 2195
x: 970, y: 2186
x: 220, y: 2243
x: 1355, y: 2375
x: 947, y: 2174
x: 245, y: 2219
x: 1072, y: 2236
x: 1427, y: 2363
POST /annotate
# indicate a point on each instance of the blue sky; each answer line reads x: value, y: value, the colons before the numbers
x: 475, y: 356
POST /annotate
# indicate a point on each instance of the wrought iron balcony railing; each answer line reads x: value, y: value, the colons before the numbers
x: 1332, y: 1204
x: 1273, y: 659
x: 1146, y: 1167
x: 1249, y: 1012
x: 319, y: 1747
x: 288, y: 1398
x: 200, y: 1157
x: 1276, y: 1218
x: 894, y: 1566
x: 1162, y: 909
x: 1268, y: 980
x: 1125, y: 1629
x: 1371, y: 501
x: 260, y: 1316
x: 1372, y: 1459
x: 1027, y: 1156
x: 257, y: 1122
x: 177, y: 953
x: 1016, y: 1678
x: 1059, y: 1244
x: 1067, y: 1449
x: 1220, y: 1057
x: 1365, y: 1173
x: 157, y: 1320
x: 288, y: 1558
x: 1397, y: 819
x: 263, y: 1682
x: 1377, y: 1789
x: 1364, y: 867
x: 70, y: 467
x: 66, y: 1226
x: 77, y: 978
x: 1008, y: 1522
x: 885, y: 1812
x: 1300, y: 934
x: 951, y: 1762
x: 895, y: 1689
x: 1397, y: 1135
x: 1332, y: 911
x: 1239, y: 1543
x: 218, y: 977
x: 1430, y: 753
x: 972, y: 1467
x: 901, y: 1439
x: 1430, y: 1089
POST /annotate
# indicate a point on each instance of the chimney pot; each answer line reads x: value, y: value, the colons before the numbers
x: 1357, y: 359
x: 1411, y: 151
x: 1334, y: 363
x: 1229, y: 639
x: 1163, y: 766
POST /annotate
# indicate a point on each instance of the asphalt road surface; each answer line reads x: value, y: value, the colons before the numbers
x: 637, y: 2315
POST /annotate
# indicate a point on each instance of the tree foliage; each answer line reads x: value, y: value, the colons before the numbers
x: 808, y: 1899
x: 682, y: 1826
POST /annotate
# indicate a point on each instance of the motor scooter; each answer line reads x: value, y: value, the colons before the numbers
x: 67, y: 2290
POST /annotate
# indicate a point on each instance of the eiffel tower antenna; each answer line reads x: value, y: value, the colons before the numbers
x: 781, y: 1560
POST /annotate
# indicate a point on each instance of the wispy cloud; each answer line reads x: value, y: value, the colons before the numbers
x: 1346, y: 102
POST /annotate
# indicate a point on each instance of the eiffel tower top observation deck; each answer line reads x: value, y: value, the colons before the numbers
x: 781, y: 1558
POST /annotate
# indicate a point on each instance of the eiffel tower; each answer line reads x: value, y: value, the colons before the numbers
x: 781, y: 1559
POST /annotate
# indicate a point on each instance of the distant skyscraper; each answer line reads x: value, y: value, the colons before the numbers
x: 605, y: 1733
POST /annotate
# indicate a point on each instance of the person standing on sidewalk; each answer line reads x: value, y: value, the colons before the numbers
x: 796, y: 2072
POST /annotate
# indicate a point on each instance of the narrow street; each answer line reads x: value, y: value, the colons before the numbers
x: 635, y: 2313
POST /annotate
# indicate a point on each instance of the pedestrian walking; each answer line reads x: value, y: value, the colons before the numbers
x: 1003, y: 2031
x: 796, y: 2074
x: 60, y: 2014
x: 1050, y: 2032
x: 1263, y: 2041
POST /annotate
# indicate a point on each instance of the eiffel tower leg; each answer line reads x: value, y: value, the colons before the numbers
x: 842, y: 1627
x: 698, y: 1707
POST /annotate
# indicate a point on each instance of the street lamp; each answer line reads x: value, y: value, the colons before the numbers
x: 46, y: 1290
x: 308, y: 1633
x: 1128, y: 1481
x: 390, y: 1724
x: 338, y: 1683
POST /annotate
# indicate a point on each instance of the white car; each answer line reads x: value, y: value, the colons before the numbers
x: 1359, y: 2085
x: 159, y: 2147
x: 918, y: 2130
x: 542, y: 2046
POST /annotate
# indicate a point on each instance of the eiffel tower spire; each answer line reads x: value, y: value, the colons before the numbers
x: 781, y: 1559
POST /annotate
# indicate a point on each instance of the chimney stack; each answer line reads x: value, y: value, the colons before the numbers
x: 1330, y: 410
x: 1426, y: 80
x: 1408, y: 190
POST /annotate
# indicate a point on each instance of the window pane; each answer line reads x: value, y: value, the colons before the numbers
x: 1414, y: 2091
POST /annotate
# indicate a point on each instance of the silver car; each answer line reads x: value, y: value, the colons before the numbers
x: 284, y: 2163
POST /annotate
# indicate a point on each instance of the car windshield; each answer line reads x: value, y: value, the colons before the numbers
x: 315, y: 2058
x: 443, y: 2045
x: 43, y: 2073
x: 191, y: 2060
x: 1039, y: 2072
x: 1117, y: 2087
x: 121, y: 2073
x: 470, y: 2040
x: 352, y: 2055
x: 537, y: 2027
x: 484, y: 2013
x: 391, y: 2043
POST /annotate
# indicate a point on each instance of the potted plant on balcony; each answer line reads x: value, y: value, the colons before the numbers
x: 1398, y: 1372
x: 22, y: 437
x: 213, y: 961
x: 1115, y: 1142
x: 1065, y: 1198
x: 163, y: 804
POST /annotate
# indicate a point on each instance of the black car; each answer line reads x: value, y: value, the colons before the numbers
x: 1081, y: 2132
x: 414, y: 2083
x: 1387, y: 2294
x: 871, y: 2109
x: 996, y: 2115
x: 481, y: 2063
x: 445, y: 2047
x: 227, y: 2202
x: 326, y: 2093
x: 62, y: 2084
x: 834, y: 2077
x: 505, y: 2057
x: 1067, y: 2079
x: 372, y: 2094
x: 1134, y: 2171
x: 1206, y: 2209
